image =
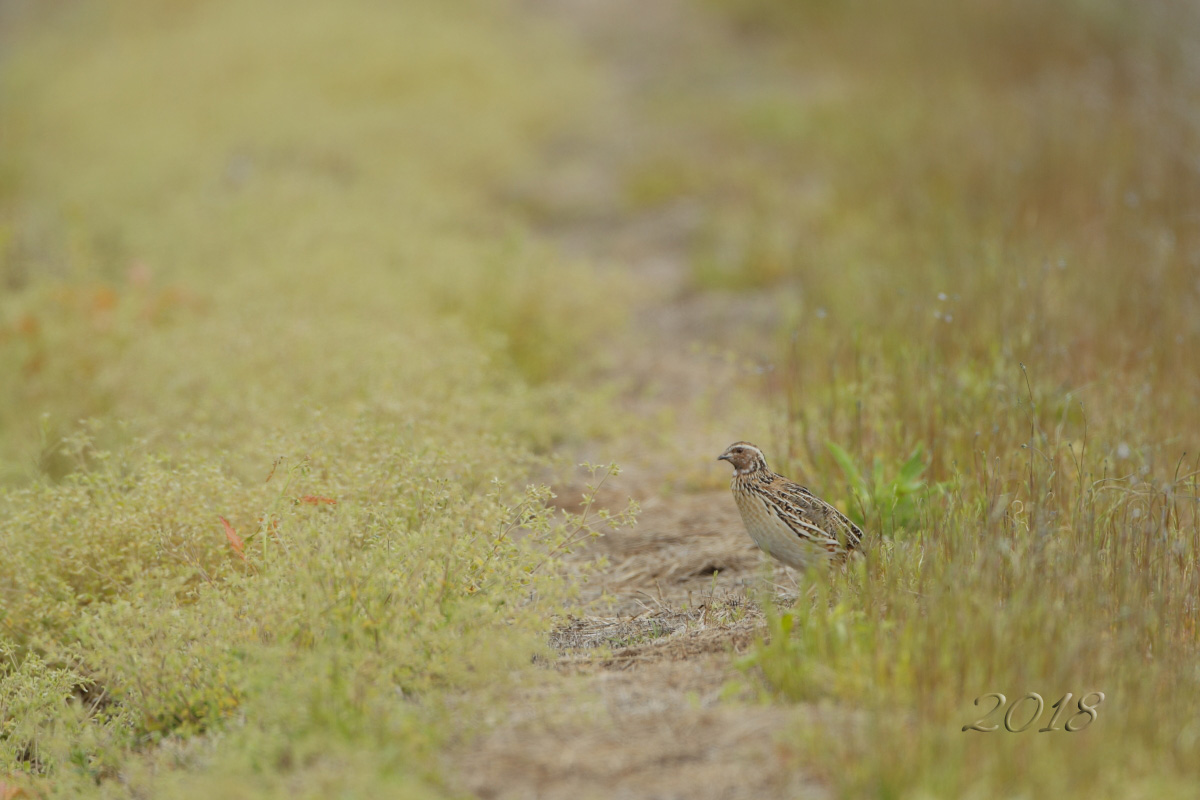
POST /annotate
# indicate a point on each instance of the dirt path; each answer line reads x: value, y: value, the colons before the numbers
x: 644, y: 699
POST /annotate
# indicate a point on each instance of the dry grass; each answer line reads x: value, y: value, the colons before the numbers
x: 998, y: 266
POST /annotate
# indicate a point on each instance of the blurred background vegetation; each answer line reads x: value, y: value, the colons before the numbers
x: 252, y: 267
x: 241, y: 240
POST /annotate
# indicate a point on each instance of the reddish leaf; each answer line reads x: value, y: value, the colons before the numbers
x: 317, y: 500
x: 28, y: 325
x: 10, y: 791
x: 104, y: 299
x: 235, y: 541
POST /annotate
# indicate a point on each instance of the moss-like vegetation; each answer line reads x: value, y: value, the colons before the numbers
x: 277, y: 368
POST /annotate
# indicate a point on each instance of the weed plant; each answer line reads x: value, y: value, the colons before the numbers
x: 277, y: 370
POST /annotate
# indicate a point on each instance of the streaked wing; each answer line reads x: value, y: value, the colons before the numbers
x: 800, y: 502
x: 794, y: 515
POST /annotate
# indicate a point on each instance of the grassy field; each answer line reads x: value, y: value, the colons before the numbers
x: 993, y: 258
x: 284, y: 354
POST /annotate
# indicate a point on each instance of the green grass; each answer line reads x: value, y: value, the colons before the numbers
x: 995, y: 262
x: 252, y: 255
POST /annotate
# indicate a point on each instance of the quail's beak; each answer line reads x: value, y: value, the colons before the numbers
x: 723, y: 457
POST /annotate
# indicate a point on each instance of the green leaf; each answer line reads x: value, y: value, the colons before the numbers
x: 910, y: 472
x: 848, y: 468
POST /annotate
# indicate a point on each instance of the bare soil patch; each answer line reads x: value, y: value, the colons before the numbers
x: 651, y: 731
x: 644, y: 698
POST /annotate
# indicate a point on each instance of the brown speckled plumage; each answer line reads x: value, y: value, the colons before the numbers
x: 786, y: 520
